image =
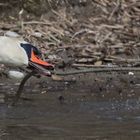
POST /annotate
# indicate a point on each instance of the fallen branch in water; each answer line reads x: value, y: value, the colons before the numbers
x: 91, y: 70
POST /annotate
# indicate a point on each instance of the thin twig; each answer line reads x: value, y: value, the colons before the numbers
x: 91, y: 66
x: 36, y: 22
x: 114, y: 10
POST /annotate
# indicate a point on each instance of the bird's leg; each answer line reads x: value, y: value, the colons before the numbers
x: 21, y: 86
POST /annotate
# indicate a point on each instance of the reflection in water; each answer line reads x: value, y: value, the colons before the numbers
x: 85, y: 114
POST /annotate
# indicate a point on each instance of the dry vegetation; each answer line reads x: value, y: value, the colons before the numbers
x: 81, y: 32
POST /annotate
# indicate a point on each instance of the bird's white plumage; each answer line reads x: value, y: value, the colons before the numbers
x: 11, y: 53
x: 13, y: 74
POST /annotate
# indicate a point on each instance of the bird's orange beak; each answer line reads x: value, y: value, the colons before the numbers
x: 37, y: 60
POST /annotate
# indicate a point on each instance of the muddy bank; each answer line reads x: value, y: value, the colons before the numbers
x: 111, y: 86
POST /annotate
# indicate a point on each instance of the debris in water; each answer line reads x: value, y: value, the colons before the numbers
x: 61, y: 99
x: 130, y: 73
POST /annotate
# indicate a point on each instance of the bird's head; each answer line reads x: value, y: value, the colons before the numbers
x: 36, y: 62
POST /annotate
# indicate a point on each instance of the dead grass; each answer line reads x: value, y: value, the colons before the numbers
x: 109, y: 33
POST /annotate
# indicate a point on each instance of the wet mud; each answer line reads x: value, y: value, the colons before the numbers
x: 102, y: 106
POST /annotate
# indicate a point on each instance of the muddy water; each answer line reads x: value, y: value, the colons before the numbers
x: 95, y: 107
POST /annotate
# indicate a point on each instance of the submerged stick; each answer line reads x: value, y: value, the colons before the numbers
x: 21, y: 86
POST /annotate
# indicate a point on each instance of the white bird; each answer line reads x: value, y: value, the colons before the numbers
x: 17, y: 53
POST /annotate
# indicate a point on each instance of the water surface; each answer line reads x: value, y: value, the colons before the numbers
x: 103, y: 109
